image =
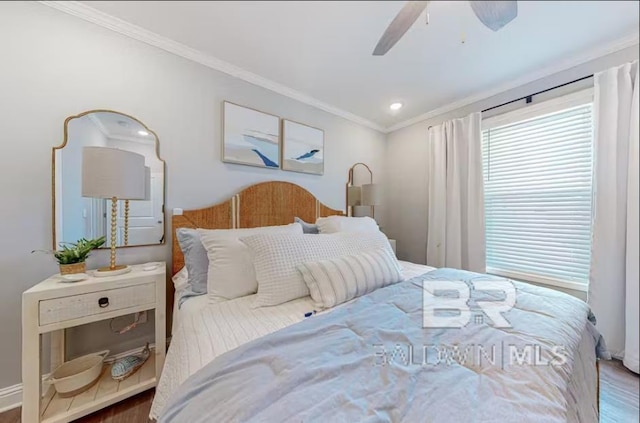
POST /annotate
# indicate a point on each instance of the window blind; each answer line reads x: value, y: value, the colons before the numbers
x: 537, y: 176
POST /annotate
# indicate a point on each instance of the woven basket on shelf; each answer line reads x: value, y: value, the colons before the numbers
x: 69, y: 269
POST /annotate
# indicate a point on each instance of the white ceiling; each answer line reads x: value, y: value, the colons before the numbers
x: 120, y: 127
x: 323, y: 49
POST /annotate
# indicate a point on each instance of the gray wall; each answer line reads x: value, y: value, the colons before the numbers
x: 407, y: 172
x: 54, y: 66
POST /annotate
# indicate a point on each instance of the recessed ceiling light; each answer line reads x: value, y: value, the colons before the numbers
x: 143, y: 133
x: 396, y: 106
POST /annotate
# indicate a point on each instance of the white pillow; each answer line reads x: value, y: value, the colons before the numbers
x: 333, y: 224
x: 338, y: 280
x: 230, y: 274
x: 276, y: 257
x: 180, y: 280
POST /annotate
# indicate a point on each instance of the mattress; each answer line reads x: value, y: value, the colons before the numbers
x: 204, y: 330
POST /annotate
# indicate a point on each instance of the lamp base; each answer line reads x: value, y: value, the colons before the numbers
x: 108, y: 271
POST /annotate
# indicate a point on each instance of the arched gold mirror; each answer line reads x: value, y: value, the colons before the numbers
x: 139, y: 222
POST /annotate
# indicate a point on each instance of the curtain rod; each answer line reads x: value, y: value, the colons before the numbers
x: 529, y: 98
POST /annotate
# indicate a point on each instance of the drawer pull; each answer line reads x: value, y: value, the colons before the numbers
x: 103, y: 302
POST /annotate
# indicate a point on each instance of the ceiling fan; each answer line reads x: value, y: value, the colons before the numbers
x: 493, y: 14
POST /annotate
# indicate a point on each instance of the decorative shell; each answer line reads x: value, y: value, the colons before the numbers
x: 128, y: 365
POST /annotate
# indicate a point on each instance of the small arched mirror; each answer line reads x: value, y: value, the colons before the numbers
x: 139, y: 222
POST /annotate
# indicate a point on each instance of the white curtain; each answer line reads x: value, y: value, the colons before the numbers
x: 613, y: 280
x: 455, y: 215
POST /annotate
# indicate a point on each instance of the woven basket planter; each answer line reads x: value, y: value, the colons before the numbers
x: 69, y: 269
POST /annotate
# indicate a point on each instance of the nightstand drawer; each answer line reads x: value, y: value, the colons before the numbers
x: 77, y: 306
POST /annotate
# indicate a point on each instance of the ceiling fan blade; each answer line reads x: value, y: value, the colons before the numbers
x: 495, y: 14
x: 400, y: 24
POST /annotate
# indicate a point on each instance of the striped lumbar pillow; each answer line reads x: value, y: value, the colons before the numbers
x: 335, y: 281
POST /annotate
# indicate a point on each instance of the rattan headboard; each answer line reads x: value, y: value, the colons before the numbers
x: 264, y: 204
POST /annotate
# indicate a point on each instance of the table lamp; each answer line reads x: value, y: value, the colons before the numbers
x: 147, y: 197
x: 371, y: 195
x: 363, y: 195
x: 113, y: 174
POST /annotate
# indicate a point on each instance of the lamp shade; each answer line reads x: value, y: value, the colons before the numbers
x: 110, y: 172
x: 371, y: 195
x: 353, y: 196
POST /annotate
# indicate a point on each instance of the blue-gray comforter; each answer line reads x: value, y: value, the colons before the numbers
x: 372, y: 361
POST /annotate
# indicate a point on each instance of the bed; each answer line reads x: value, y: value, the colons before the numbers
x: 215, y: 366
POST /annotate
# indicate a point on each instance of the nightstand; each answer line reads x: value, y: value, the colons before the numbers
x: 54, y: 305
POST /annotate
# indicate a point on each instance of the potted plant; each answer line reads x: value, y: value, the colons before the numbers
x: 72, y: 256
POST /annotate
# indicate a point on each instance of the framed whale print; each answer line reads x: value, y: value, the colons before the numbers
x: 302, y: 148
x: 250, y: 137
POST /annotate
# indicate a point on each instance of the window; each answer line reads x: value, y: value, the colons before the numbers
x: 537, y: 165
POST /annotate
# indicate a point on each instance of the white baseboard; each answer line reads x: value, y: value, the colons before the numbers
x: 11, y: 396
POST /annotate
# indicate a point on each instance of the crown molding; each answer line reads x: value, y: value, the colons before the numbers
x: 98, y: 124
x: 141, y: 141
x: 120, y: 26
x: 597, y: 52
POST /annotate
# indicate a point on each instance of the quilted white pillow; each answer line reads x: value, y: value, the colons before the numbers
x: 276, y: 257
x: 230, y: 274
x: 338, y: 280
x: 333, y: 224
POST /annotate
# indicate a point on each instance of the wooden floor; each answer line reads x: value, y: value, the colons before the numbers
x: 619, y: 392
x: 619, y: 397
x: 133, y: 410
